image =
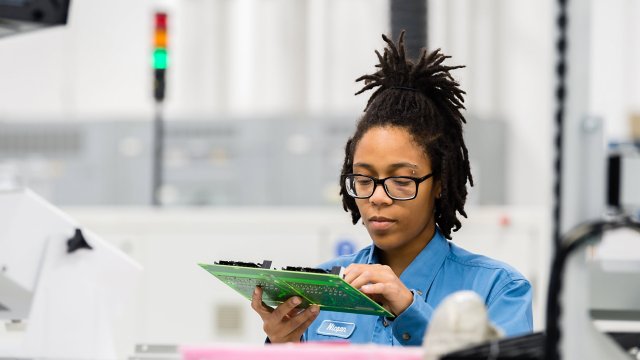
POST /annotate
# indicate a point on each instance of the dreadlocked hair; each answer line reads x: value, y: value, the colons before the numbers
x: 424, y: 99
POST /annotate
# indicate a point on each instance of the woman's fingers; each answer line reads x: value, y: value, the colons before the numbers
x: 285, y: 322
x: 362, y: 279
x: 378, y: 288
x: 285, y: 308
x: 306, y: 316
x: 258, y: 306
x: 361, y: 274
x: 290, y: 328
x: 304, y: 320
x: 380, y: 283
x: 358, y: 274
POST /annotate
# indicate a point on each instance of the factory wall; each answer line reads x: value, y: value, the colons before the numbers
x: 250, y: 58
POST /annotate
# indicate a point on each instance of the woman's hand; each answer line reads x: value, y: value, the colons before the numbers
x: 381, y: 284
x: 285, y: 323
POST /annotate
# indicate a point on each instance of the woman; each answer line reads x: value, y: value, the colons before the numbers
x: 404, y: 175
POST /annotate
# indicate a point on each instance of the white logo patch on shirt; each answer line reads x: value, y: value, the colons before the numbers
x: 336, y: 328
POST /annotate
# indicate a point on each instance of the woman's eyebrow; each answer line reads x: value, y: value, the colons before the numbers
x: 363, y: 165
x: 390, y: 167
x: 403, y: 165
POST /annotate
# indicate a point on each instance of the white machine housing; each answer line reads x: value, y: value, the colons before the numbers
x: 55, y: 304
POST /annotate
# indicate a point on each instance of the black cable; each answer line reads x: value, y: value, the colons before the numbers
x: 561, y: 70
x: 577, y: 237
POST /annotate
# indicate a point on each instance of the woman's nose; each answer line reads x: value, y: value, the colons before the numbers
x: 380, y: 196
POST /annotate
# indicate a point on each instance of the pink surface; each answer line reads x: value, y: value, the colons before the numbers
x: 305, y: 351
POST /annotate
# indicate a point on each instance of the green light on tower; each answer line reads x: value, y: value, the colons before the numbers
x: 160, y: 58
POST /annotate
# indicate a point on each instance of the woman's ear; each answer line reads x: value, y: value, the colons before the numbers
x: 437, y: 188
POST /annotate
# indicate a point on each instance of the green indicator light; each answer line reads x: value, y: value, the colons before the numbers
x: 160, y: 58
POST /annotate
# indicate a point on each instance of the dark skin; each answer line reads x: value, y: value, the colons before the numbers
x: 399, y: 230
x: 286, y: 323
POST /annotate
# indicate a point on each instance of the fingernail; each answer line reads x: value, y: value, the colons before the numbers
x: 314, y: 309
x: 296, y: 301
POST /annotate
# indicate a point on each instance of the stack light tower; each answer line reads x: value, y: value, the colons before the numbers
x: 160, y: 64
x: 160, y: 55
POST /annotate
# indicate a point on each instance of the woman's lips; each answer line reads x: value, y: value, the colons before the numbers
x: 379, y: 223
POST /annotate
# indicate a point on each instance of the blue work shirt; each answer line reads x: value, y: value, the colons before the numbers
x: 441, y: 268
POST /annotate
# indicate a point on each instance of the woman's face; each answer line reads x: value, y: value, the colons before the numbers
x: 395, y: 225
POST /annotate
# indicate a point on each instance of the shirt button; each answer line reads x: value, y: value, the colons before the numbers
x: 406, y: 337
x: 385, y: 323
x: 419, y: 292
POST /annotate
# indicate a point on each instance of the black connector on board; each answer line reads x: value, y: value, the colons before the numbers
x: 305, y: 269
x: 237, y: 263
x: 266, y: 264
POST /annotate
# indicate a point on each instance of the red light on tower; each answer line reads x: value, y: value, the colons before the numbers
x: 161, y: 20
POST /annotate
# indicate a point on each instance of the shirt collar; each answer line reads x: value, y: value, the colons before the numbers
x: 423, y: 269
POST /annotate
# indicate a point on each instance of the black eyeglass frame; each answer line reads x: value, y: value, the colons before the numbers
x: 376, y: 181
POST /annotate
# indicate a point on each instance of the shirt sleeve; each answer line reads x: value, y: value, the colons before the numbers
x: 510, y: 308
x: 410, y: 326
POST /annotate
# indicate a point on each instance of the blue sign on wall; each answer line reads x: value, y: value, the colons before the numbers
x: 345, y: 247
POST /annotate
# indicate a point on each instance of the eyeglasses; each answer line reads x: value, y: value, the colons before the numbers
x: 396, y: 187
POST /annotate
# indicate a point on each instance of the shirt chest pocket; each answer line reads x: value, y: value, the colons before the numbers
x: 337, y: 329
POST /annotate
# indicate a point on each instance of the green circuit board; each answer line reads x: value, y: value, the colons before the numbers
x: 329, y: 291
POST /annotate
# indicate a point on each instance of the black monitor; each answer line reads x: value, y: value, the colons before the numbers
x: 18, y: 16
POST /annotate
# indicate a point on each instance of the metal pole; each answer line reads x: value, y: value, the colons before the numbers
x: 158, y: 154
x: 410, y: 15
